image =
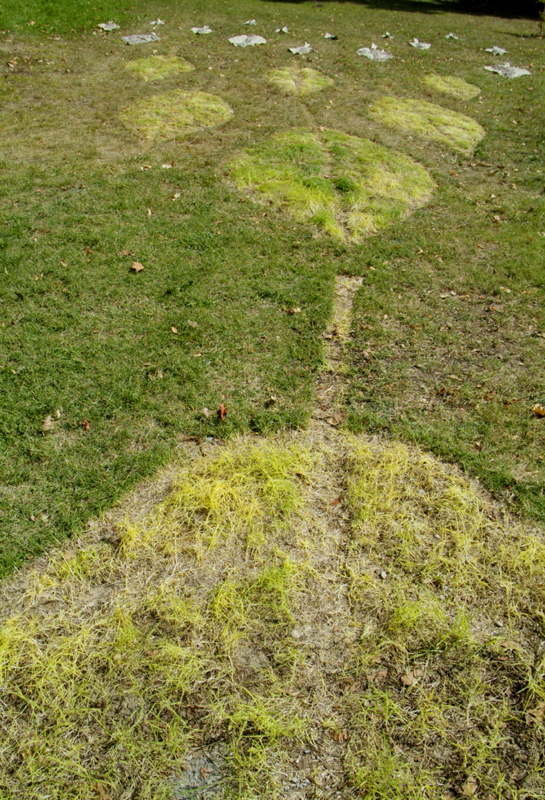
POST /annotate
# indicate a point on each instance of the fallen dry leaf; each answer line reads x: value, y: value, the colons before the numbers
x: 102, y: 792
x: 192, y: 324
x: 124, y: 253
x: 408, y: 679
x: 174, y: 330
x: 222, y: 411
x: 536, y: 714
x: 137, y: 266
x: 85, y: 425
x: 337, y: 500
x: 539, y: 410
x: 64, y: 263
x: 470, y: 787
x: 47, y: 424
x: 340, y: 736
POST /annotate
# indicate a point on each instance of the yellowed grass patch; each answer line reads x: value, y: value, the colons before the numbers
x: 157, y: 68
x: 312, y: 604
x: 299, y: 81
x: 175, y: 114
x: 429, y: 121
x: 450, y: 84
x: 346, y: 186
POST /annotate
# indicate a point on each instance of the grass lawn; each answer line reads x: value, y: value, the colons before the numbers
x: 328, y: 614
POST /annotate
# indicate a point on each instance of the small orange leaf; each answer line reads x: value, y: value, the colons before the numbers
x: 137, y: 266
x: 85, y: 425
x: 337, y: 500
x: 539, y: 410
x: 222, y: 411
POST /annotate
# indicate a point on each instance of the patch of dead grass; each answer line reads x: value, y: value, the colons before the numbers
x: 429, y: 121
x: 452, y: 85
x: 352, y: 605
x: 299, y: 81
x: 175, y: 114
x: 157, y: 68
x: 348, y: 187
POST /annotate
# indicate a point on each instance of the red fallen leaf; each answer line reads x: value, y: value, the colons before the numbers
x: 337, y: 501
x: 137, y: 266
x: 222, y: 411
x: 85, y: 425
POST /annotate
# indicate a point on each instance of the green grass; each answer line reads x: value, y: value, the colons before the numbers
x: 83, y: 335
x: 346, y: 186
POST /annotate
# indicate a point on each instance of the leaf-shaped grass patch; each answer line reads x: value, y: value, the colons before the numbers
x: 429, y: 121
x: 175, y: 114
x: 294, y: 80
x: 348, y: 187
x: 156, y: 68
x: 450, y: 84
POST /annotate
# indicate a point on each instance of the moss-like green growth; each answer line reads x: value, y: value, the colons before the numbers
x: 450, y: 84
x: 156, y: 68
x: 429, y: 121
x: 348, y: 187
x: 294, y: 80
x: 175, y: 114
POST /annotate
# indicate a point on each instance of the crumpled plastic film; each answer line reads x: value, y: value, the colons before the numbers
x: 301, y: 51
x: 247, y: 41
x: 374, y: 53
x: 507, y: 71
x: 420, y: 45
x: 141, y: 38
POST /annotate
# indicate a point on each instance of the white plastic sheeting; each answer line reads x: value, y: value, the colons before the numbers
x: 301, y: 51
x: 247, y: 40
x: 141, y: 38
x: 374, y: 53
x: 507, y: 71
x: 420, y: 45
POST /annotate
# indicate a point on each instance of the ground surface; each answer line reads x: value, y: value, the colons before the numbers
x: 189, y: 224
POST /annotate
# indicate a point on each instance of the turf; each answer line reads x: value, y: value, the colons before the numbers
x: 346, y: 186
x: 385, y: 641
x: 86, y: 336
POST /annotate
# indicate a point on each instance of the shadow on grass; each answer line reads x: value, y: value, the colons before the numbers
x: 526, y: 9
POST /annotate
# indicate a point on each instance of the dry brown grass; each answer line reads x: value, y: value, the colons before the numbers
x: 336, y: 613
